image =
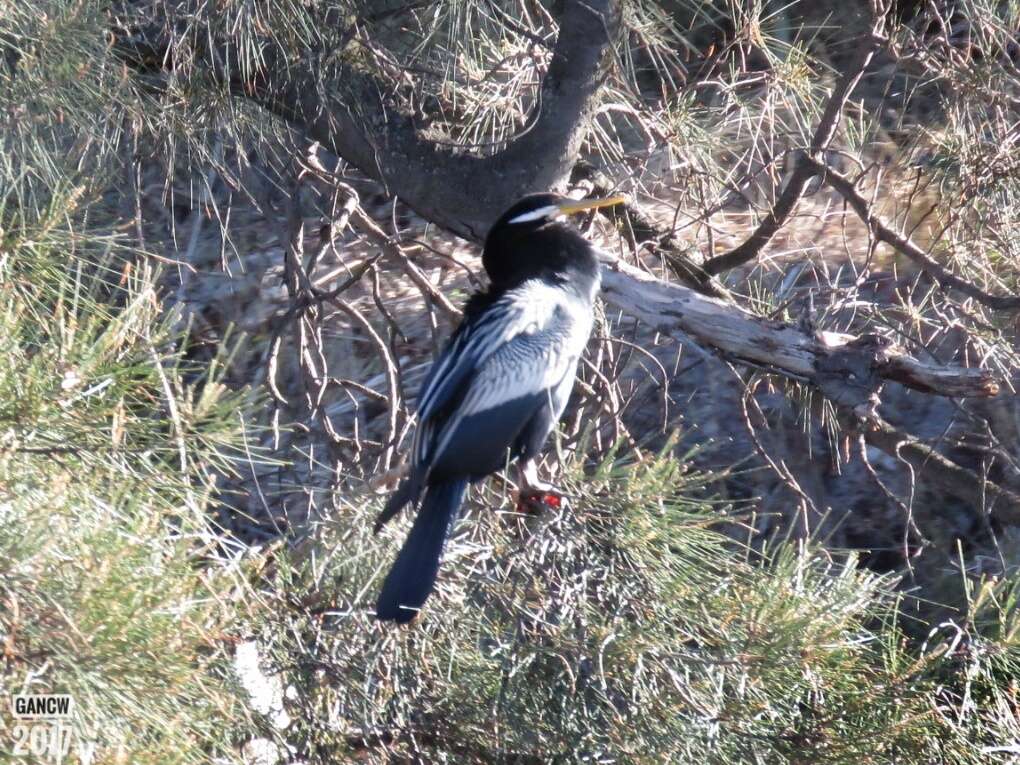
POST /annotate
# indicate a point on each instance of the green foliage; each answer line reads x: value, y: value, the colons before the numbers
x: 106, y: 453
x: 626, y: 629
x: 105, y: 458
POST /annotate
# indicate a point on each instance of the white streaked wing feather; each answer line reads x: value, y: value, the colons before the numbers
x: 532, y: 308
x: 522, y: 309
x: 523, y: 367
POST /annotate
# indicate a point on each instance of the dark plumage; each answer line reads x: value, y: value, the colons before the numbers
x: 500, y: 384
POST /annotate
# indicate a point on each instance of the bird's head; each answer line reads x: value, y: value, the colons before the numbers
x: 534, y: 235
x: 537, y: 210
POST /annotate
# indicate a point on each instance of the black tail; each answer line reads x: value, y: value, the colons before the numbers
x: 413, y: 575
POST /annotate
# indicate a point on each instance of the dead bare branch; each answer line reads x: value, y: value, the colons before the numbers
x: 903, y: 244
x: 804, y: 171
x: 676, y: 310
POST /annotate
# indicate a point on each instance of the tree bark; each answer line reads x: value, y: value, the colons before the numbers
x: 683, y: 313
x: 461, y: 192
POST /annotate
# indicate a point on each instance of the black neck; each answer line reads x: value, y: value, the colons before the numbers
x: 555, y: 252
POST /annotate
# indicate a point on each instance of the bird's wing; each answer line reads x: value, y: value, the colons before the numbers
x: 496, y: 356
x: 539, y: 339
x: 479, y: 336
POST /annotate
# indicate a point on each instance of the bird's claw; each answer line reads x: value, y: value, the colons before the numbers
x: 534, y: 501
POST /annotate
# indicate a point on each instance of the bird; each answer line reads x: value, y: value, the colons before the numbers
x: 499, y: 386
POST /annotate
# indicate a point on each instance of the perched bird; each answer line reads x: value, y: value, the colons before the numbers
x: 500, y: 384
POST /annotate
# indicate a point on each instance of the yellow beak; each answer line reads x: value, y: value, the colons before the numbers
x: 580, y: 205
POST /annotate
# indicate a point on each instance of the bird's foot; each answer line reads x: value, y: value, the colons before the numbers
x: 536, y: 496
x: 534, y: 501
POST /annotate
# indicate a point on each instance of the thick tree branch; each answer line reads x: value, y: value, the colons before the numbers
x: 682, y: 312
x: 459, y: 191
x: 352, y: 116
x: 464, y: 193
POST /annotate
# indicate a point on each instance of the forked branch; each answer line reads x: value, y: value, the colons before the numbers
x: 903, y: 244
x: 803, y: 172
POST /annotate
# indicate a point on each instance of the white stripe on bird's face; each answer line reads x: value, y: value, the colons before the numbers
x: 549, y: 211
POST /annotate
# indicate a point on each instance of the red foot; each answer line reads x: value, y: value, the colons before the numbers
x: 535, y: 503
x: 551, y: 500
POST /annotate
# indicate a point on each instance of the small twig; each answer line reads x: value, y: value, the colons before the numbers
x: 907, y: 507
x: 904, y: 245
x: 976, y: 491
x: 204, y: 197
x: 177, y: 424
x: 364, y: 390
x: 366, y: 225
x: 644, y: 230
x: 776, y: 463
x: 804, y: 170
x: 655, y: 361
x: 390, y: 366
